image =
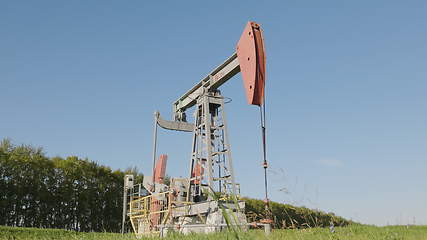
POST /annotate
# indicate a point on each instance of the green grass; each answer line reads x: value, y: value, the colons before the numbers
x: 359, y: 232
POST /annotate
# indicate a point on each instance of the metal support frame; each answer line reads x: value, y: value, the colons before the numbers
x: 127, y: 185
x: 211, y: 151
x: 154, y: 151
x: 125, y: 197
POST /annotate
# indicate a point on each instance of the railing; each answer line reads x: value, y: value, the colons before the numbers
x: 147, y: 213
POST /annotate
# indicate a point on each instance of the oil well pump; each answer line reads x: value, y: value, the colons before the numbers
x: 199, y: 202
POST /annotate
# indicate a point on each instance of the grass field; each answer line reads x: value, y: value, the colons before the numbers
x: 354, y: 232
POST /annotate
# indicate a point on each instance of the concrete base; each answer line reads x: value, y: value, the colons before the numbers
x: 206, y: 217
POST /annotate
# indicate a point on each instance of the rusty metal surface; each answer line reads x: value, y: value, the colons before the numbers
x: 251, y: 56
x: 160, y: 169
x: 197, y: 173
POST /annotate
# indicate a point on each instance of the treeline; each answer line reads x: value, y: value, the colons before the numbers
x: 288, y: 216
x: 71, y: 193
x: 78, y: 194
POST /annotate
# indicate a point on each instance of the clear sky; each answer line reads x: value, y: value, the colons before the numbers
x: 346, y: 92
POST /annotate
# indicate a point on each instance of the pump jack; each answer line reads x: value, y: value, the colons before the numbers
x: 197, y: 203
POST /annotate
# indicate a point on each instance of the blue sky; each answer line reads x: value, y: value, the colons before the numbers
x: 346, y: 92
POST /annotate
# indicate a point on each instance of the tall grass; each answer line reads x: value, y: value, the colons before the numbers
x: 353, y: 232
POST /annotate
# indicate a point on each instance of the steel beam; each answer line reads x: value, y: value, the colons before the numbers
x: 212, y: 81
